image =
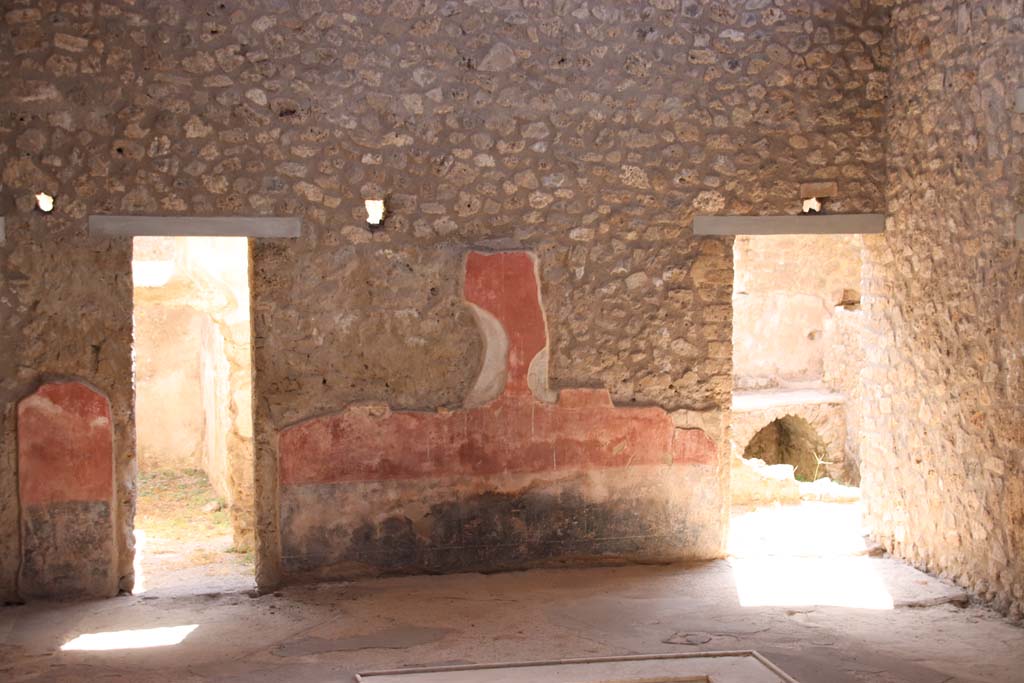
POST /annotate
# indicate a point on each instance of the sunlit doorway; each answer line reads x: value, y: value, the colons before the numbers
x: 193, y: 414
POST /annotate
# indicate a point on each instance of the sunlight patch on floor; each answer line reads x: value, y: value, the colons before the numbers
x: 804, y: 555
x: 803, y: 582
x: 133, y: 639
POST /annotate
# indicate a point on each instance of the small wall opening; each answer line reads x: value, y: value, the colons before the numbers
x: 849, y: 300
x: 193, y: 412
x: 791, y: 440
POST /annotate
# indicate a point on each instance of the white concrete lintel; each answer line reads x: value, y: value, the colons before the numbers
x: 814, y: 224
x: 198, y: 226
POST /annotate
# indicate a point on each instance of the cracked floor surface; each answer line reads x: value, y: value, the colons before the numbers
x: 829, y: 613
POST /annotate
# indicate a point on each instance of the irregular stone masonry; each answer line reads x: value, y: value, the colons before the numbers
x: 587, y: 133
x: 942, y: 443
x: 590, y: 134
x: 786, y: 306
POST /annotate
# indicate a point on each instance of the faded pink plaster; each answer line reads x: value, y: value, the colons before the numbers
x: 65, y: 446
x: 513, y: 434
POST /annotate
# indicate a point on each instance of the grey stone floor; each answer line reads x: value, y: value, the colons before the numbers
x: 824, y: 610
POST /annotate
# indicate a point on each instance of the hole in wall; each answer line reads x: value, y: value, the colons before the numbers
x: 811, y: 205
x: 849, y: 299
x: 791, y: 440
x: 44, y: 202
x: 374, y: 211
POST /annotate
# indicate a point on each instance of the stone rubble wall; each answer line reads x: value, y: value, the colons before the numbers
x: 785, y: 296
x: 844, y: 362
x: 589, y: 133
x: 943, y: 410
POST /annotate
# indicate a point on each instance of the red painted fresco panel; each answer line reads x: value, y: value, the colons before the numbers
x: 65, y: 445
x: 515, y: 433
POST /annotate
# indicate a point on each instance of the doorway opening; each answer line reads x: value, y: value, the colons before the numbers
x: 192, y: 355
x: 798, y: 349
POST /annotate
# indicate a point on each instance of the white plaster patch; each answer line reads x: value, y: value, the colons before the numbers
x: 43, y: 405
x: 494, y: 369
